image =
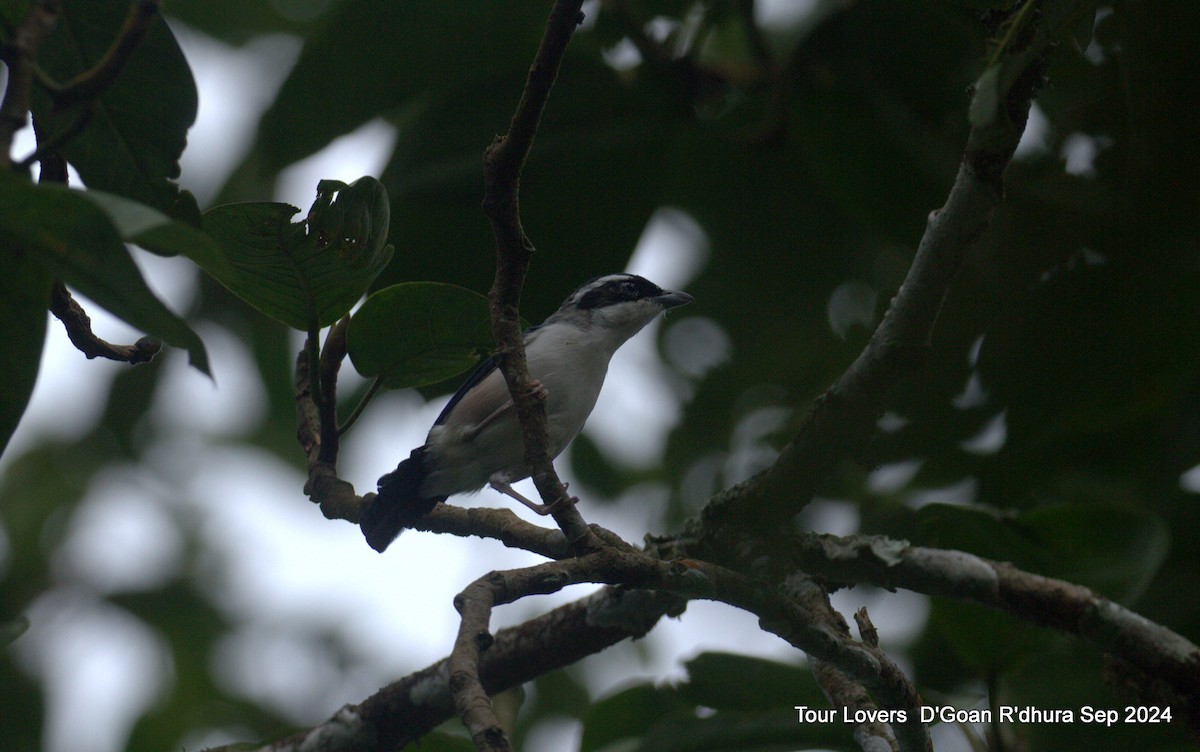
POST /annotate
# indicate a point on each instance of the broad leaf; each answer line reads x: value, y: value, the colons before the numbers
x: 12, y: 12
x: 1113, y: 550
x: 349, y: 79
x: 628, y: 715
x: 306, y: 274
x: 727, y: 681
x: 24, y: 295
x: 418, y: 333
x: 76, y: 242
x: 156, y: 232
x: 138, y: 127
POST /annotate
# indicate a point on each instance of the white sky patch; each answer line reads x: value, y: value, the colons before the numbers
x: 623, y: 55
x: 121, y: 538
x: 974, y: 350
x: 833, y: 516
x: 362, y: 152
x: 1080, y: 150
x: 972, y: 395
x: 100, y: 668
x: 232, y: 403
x: 852, y: 302
x: 638, y: 407
x: 962, y: 492
x: 228, y: 114
x: 1035, y: 139
x: 696, y: 345
x: 890, y: 422
x: 1190, y: 480
x: 69, y: 394
x: 990, y: 439
x: 889, y: 478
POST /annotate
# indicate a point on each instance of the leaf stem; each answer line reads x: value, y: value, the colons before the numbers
x: 362, y: 405
x: 21, y: 51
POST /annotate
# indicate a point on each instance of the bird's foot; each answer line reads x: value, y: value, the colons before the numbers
x: 538, y: 390
x: 541, y: 509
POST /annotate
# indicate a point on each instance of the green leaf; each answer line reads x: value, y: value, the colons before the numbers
x: 236, y: 22
x: 309, y: 273
x: 76, y: 242
x: 138, y: 126
x: 727, y: 681
x: 592, y: 127
x: 629, y: 714
x: 12, y: 12
x: 156, y: 232
x: 417, y: 333
x: 985, y: 640
x: 986, y: 4
x: 743, y: 732
x: 347, y: 78
x: 1115, y: 550
x: 754, y: 700
x: 24, y: 295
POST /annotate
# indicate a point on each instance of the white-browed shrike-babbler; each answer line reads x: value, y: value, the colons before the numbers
x: 477, y: 440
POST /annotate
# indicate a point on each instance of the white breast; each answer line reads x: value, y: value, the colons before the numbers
x: 462, y: 457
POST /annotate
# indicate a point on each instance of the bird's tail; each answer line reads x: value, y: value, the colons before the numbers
x: 398, y: 504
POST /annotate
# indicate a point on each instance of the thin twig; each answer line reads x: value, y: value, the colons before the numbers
x: 844, y: 692
x: 362, y: 405
x: 497, y: 524
x: 79, y: 330
x: 14, y: 108
x: 332, y: 355
x: 503, y: 161
x: 50, y: 144
x: 336, y: 497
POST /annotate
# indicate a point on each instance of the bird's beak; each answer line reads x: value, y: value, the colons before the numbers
x: 673, y: 298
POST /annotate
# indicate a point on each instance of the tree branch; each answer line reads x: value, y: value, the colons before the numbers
x: 79, y: 329
x: 316, y: 423
x: 1165, y: 661
x: 498, y: 524
x: 886, y: 682
x: 799, y: 612
x: 503, y: 162
x: 410, y: 708
x: 19, y: 57
x: 843, y: 418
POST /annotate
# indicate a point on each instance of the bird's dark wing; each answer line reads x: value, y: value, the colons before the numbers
x: 479, y: 374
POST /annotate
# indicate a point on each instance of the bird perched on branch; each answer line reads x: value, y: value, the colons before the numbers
x: 477, y: 440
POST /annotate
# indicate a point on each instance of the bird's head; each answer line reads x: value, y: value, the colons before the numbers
x: 617, y: 305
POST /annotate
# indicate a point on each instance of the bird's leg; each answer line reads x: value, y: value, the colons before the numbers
x: 543, y: 509
x: 538, y: 390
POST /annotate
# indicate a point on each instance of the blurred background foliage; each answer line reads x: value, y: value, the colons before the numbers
x: 1054, y: 426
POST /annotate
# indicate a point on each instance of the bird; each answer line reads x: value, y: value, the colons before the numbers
x: 477, y: 440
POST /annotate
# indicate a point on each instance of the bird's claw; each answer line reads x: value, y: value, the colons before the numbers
x: 540, y: 509
x: 538, y: 390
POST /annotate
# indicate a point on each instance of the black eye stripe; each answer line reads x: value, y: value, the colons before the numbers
x: 616, y: 290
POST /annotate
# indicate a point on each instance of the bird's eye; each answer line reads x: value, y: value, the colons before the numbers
x: 629, y: 289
